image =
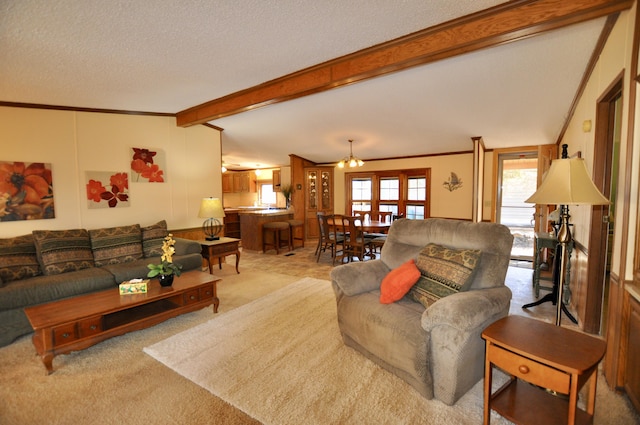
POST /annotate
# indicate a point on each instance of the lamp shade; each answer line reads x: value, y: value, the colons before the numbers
x: 211, y: 208
x: 568, y: 183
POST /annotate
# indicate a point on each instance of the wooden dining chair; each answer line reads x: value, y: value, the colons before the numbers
x: 328, y: 238
x: 356, y: 244
x: 366, y: 215
x: 378, y: 240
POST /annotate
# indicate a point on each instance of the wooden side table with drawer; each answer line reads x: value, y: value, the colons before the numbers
x: 219, y: 249
x: 542, y: 359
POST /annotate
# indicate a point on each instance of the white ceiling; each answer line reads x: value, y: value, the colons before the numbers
x: 167, y: 56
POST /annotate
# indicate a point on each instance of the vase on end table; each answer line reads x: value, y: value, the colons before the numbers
x: 165, y: 279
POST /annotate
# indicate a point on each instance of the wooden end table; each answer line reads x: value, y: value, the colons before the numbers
x: 79, y: 322
x: 553, y: 359
x: 219, y: 249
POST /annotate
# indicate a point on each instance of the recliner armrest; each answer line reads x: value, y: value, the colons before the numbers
x: 360, y: 277
x: 466, y: 310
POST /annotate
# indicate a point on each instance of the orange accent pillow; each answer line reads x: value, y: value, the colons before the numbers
x: 398, y: 282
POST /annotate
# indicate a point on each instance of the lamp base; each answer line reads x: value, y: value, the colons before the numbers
x: 213, y: 238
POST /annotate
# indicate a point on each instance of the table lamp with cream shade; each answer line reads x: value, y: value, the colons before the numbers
x: 212, y: 210
x: 567, y: 183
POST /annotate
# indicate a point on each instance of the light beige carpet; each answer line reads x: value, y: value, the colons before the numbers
x: 281, y: 360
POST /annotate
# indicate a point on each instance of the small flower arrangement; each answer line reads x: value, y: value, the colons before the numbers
x: 166, y: 266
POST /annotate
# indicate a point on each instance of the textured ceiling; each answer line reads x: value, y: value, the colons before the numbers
x: 166, y: 56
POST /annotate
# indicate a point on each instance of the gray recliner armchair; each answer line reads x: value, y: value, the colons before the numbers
x: 438, y: 350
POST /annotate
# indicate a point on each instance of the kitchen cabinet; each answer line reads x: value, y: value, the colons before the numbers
x: 277, y: 180
x: 318, y: 197
x: 227, y: 183
x: 238, y: 182
x: 232, y: 223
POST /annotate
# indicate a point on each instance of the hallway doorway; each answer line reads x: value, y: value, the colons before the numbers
x: 517, y: 180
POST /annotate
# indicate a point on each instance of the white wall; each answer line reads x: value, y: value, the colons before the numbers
x: 76, y: 142
x: 614, y: 59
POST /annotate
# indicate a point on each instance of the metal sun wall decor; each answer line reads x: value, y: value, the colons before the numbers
x: 453, y: 183
x: 147, y: 166
x: 107, y: 189
x: 26, y: 191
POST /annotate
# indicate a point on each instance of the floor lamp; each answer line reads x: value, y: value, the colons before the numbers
x: 567, y: 183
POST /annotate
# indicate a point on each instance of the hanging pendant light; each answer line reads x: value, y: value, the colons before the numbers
x: 351, y: 160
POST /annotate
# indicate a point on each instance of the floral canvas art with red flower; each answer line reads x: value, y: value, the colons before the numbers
x: 26, y: 191
x: 106, y: 189
x: 147, y: 166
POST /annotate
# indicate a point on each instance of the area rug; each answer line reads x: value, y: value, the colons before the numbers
x: 281, y: 360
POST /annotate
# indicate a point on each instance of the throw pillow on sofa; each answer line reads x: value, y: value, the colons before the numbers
x: 115, y: 245
x: 444, y: 271
x: 18, y: 259
x: 152, y: 238
x: 61, y: 251
x: 398, y: 282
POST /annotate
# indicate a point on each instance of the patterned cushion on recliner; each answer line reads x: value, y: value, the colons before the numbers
x: 445, y: 271
x: 18, y: 259
x: 61, y: 251
x: 115, y: 245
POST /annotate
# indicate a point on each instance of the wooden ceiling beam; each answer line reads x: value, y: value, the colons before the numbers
x: 491, y: 27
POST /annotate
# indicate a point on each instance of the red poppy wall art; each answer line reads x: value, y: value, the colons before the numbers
x: 26, y: 191
x: 107, y: 189
x: 147, y: 166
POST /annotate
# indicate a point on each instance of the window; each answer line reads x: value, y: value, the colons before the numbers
x: 416, y: 195
x: 399, y: 192
x: 389, y: 194
x: 361, y: 194
x: 266, y: 195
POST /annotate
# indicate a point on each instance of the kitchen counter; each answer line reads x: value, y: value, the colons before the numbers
x: 251, y: 222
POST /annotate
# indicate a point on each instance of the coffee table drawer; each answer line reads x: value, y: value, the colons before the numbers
x: 90, y: 326
x: 64, y: 333
x: 191, y: 297
x: 206, y: 293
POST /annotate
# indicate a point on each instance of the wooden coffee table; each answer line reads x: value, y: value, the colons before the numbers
x: 79, y: 322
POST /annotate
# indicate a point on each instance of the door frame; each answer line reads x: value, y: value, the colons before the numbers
x: 599, y: 231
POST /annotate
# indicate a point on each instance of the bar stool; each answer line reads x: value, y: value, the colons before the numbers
x: 296, y: 227
x: 276, y: 230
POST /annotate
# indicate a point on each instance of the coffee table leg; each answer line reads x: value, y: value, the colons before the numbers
x: 237, y: 261
x: 216, y: 300
x: 47, y: 360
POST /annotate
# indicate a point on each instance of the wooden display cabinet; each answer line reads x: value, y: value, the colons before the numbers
x: 318, y: 197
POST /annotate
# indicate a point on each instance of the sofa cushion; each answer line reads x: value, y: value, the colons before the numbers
x: 398, y: 282
x: 18, y: 259
x: 445, y: 271
x: 115, y: 245
x: 61, y: 251
x: 43, y: 289
x: 152, y: 238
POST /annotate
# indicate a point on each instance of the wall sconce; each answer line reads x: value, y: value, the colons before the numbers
x: 586, y: 126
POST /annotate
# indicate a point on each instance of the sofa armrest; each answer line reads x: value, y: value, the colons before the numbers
x: 360, y: 277
x: 187, y: 246
x: 467, y: 310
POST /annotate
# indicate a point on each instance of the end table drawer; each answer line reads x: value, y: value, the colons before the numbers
x: 530, y: 370
x: 64, y: 333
